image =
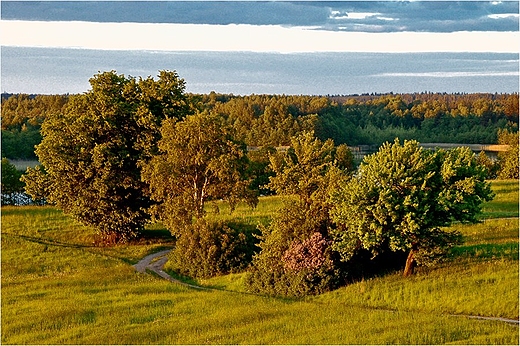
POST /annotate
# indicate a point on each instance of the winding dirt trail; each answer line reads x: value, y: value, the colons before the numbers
x: 155, y: 263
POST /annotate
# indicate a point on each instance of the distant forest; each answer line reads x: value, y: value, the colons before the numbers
x: 271, y: 120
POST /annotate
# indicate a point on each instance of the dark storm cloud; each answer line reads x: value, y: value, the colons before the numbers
x: 372, y: 16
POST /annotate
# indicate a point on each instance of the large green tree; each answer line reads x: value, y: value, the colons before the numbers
x: 199, y: 160
x: 93, y: 152
x: 402, y: 196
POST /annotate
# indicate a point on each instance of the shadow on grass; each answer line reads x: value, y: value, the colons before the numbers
x: 157, y: 233
x: 46, y: 241
x: 486, y: 251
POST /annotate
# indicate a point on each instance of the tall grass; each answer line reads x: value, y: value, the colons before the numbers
x: 57, y: 288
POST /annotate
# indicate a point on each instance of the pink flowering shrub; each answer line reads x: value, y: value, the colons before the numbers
x: 308, y: 254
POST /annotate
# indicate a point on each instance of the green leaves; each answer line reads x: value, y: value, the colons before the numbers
x: 402, y: 194
x: 302, y: 170
x: 93, y: 151
x: 295, y: 256
x: 11, y: 183
x: 199, y: 160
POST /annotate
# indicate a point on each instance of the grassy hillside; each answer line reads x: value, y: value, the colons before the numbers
x: 59, y: 288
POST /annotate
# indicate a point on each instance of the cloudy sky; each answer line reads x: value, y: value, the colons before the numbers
x: 233, y: 47
x: 278, y: 26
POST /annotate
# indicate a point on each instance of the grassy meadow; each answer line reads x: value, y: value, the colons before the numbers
x: 58, y: 288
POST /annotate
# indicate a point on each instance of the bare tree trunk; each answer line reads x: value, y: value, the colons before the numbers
x: 410, y: 264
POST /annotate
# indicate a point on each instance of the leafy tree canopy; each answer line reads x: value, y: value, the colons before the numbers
x: 93, y: 151
x: 402, y: 196
x: 271, y: 120
x: 301, y: 170
x: 199, y: 160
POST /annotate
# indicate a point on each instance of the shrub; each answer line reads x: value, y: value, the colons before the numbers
x: 296, y: 258
x: 208, y: 249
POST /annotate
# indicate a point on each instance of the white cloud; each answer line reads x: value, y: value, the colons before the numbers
x: 253, y: 38
x: 504, y: 15
x: 352, y: 15
x: 387, y: 18
x: 448, y: 74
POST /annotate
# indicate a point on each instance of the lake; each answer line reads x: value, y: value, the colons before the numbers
x: 64, y: 70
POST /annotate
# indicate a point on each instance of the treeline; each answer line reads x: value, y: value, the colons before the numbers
x: 369, y: 120
x: 22, y: 116
x: 271, y: 120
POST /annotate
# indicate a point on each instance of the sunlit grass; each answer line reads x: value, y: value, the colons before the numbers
x: 57, y: 288
x: 505, y: 203
x: 243, y: 213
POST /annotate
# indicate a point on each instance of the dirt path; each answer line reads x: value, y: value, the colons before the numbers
x: 155, y: 263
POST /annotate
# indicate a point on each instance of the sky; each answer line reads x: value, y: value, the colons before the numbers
x: 278, y: 26
x: 309, y: 47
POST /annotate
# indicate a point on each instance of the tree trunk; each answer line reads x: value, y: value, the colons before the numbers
x: 410, y: 264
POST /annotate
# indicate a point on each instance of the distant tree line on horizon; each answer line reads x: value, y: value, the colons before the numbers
x: 271, y: 120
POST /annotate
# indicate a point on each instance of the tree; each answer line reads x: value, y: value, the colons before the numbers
x: 198, y: 161
x: 259, y: 170
x: 93, y: 152
x: 11, y: 183
x: 300, y: 171
x: 491, y: 166
x: 508, y: 160
x: 210, y: 249
x: 37, y: 184
x: 402, y: 196
x: 295, y: 257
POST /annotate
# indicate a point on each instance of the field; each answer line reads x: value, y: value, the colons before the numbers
x: 58, y: 288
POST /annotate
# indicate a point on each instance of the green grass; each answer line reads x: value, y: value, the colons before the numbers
x: 57, y: 288
x: 260, y: 215
x: 505, y: 203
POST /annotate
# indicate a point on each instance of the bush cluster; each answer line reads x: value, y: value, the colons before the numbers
x: 211, y: 248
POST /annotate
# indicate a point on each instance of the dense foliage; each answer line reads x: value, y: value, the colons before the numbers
x: 271, y: 120
x: 208, y: 249
x: 400, y: 198
x: 12, y: 186
x: 93, y: 151
x: 132, y: 148
x: 22, y: 116
x: 198, y: 160
x: 295, y: 256
x: 368, y: 120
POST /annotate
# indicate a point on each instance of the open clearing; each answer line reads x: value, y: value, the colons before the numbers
x: 57, y: 288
